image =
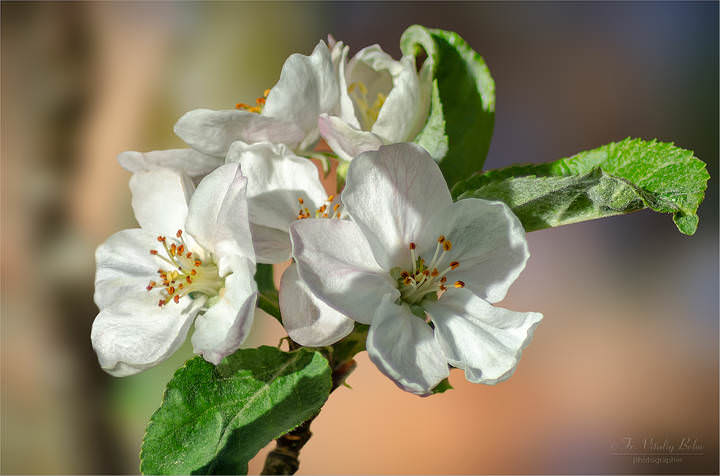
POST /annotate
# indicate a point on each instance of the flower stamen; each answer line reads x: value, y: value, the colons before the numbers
x: 322, y: 212
x: 425, y: 280
x: 188, y: 275
x: 259, y: 104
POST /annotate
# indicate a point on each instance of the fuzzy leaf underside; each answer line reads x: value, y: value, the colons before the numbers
x: 617, y: 178
x: 462, y: 112
x: 213, y: 420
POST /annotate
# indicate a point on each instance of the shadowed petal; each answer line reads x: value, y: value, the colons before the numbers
x: 402, y: 346
x: 308, y: 320
x: 484, y: 340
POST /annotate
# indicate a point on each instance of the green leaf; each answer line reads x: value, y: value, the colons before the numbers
x: 617, y: 178
x: 432, y: 137
x: 442, y: 387
x: 213, y: 420
x: 462, y: 112
x: 267, y: 294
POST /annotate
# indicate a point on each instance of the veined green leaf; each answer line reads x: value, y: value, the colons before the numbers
x: 213, y: 420
x: 620, y: 177
x: 462, y: 112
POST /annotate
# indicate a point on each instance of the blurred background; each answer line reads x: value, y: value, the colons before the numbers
x: 629, y: 344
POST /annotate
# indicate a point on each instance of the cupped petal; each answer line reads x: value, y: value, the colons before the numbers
x: 307, y: 87
x: 271, y: 245
x: 308, y: 320
x: 346, y: 109
x: 488, y: 242
x: 135, y: 333
x: 335, y: 261
x: 403, y: 348
x: 227, y: 322
x: 218, y: 215
x: 406, y: 108
x: 277, y: 179
x: 484, y: 340
x: 346, y: 141
x: 392, y: 194
x: 186, y: 161
x: 160, y: 200
x: 124, y: 266
x: 212, y: 132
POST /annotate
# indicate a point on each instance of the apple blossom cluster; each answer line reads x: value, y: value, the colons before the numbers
x: 392, y: 250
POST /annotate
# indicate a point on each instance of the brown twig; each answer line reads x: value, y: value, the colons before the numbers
x: 284, y: 459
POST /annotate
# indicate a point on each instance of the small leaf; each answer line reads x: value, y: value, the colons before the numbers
x: 213, y: 420
x: 442, y: 387
x: 267, y: 294
x: 620, y: 177
x: 462, y: 112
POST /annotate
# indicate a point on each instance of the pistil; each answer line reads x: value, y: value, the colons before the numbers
x: 426, y: 281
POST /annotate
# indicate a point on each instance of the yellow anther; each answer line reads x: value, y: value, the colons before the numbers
x: 447, y: 245
x: 441, y: 238
x: 301, y: 201
x: 454, y: 265
x: 331, y: 198
x: 266, y: 92
x: 459, y: 284
x: 412, y: 245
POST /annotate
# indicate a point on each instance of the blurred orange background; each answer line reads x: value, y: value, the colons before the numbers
x: 629, y: 344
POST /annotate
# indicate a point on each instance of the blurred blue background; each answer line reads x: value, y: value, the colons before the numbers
x: 629, y: 344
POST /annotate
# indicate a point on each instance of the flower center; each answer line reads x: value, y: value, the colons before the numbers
x: 187, y: 273
x: 326, y: 210
x: 259, y: 104
x: 368, y: 112
x: 425, y: 281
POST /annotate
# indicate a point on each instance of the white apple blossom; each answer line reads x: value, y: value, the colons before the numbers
x: 421, y: 270
x: 286, y: 114
x: 382, y: 101
x: 191, y: 260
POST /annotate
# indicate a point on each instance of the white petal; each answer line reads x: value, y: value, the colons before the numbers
x: 187, y: 161
x: 212, y: 132
x: 308, y: 320
x: 346, y: 141
x: 392, y: 194
x: 488, y: 241
x: 271, y: 245
x: 124, y: 266
x: 346, y: 109
x: 135, y: 334
x: 336, y: 263
x: 484, y: 340
x: 276, y: 180
x: 160, y: 200
x: 403, y: 348
x: 307, y: 87
x: 225, y: 325
x: 218, y: 215
x: 406, y: 107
